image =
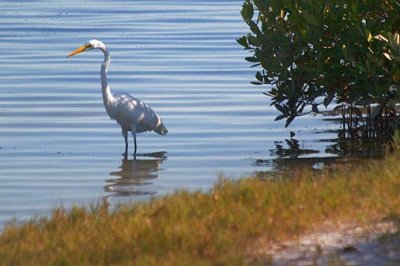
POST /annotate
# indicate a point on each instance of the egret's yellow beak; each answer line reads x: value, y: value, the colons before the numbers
x: 81, y: 49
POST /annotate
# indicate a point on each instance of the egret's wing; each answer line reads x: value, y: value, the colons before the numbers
x: 131, y: 110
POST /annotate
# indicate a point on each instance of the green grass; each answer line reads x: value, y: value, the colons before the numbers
x: 220, y: 227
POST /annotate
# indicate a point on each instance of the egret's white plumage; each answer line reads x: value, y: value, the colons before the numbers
x: 130, y: 113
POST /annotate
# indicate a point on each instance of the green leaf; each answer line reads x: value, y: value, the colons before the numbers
x: 289, y: 120
x: 281, y: 108
x: 247, y: 11
x: 253, y: 41
x: 259, y: 77
x: 252, y: 59
x: 279, y: 117
x: 273, y: 92
x: 304, y: 34
x: 259, y: 4
x: 243, y: 41
x: 311, y: 19
x: 254, y: 28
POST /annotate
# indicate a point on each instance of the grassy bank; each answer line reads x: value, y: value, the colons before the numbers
x: 219, y: 227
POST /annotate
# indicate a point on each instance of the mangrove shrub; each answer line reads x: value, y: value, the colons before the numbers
x: 320, y: 53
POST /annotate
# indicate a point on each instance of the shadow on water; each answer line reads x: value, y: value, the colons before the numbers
x: 135, y: 175
x: 292, y: 154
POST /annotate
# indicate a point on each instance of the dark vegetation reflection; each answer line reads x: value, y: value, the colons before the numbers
x: 136, y: 175
x: 292, y: 153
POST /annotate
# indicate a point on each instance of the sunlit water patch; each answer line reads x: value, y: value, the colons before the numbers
x: 57, y: 145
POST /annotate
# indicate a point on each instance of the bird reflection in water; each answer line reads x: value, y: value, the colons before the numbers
x: 135, y: 176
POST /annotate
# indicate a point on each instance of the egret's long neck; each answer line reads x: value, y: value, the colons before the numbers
x: 107, y: 96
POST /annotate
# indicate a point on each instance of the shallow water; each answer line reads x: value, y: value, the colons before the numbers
x: 57, y: 145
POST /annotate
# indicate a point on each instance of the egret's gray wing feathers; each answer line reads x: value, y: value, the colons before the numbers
x: 131, y: 110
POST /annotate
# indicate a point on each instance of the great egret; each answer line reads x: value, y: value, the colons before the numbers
x: 130, y: 113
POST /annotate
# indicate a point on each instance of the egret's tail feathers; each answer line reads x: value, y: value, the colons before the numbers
x: 161, y: 129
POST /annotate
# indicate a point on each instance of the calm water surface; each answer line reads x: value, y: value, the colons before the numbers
x: 57, y: 145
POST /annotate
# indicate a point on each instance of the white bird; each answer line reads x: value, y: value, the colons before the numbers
x: 130, y: 113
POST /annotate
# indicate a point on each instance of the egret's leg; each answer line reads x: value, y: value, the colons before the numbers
x: 133, y: 130
x: 125, y: 135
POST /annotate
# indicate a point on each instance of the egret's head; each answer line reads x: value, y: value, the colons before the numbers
x: 92, y: 44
